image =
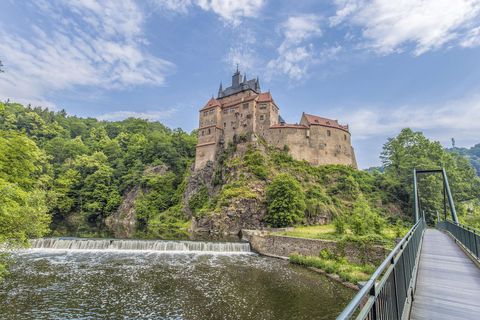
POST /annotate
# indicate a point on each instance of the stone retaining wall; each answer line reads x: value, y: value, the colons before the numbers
x: 283, y: 246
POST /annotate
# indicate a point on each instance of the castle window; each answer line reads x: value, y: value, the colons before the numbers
x: 203, y: 133
x: 205, y: 113
x: 225, y: 111
x: 345, y: 137
x: 211, y: 111
x: 224, y: 124
x: 209, y: 131
x: 262, y: 117
x: 329, y: 133
x: 245, y: 106
x: 263, y: 106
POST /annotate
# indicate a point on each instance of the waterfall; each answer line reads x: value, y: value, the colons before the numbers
x: 140, y: 245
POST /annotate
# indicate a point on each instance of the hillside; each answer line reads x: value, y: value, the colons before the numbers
x: 135, y: 178
x: 473, y: 154
x: 233, y: 194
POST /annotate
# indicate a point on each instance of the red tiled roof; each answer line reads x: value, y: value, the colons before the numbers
x: 265, y: 97
x: 319, y: 121
x: 286, y: 125
x: 211, y: 104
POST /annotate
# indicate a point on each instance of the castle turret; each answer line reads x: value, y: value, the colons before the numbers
x: 220, y: 91
x: 236, y: 78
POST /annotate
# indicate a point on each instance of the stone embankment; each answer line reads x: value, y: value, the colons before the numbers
x: 265, y: 243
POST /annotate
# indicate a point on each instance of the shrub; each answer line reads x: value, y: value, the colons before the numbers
x: 364, y: 220
x: 198, y: 200
x: 340, y: 225
x: 285, y: 201
x: 255, y: 162
x: 238, y: 189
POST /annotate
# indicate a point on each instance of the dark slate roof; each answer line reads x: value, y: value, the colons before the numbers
x: 239, y: 85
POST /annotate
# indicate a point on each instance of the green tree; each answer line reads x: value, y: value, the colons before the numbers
x: 413, y: 150
x: 23, y: 210
x: 285, y: 201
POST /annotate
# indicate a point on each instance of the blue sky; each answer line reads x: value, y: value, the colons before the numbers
x: 377, y: 65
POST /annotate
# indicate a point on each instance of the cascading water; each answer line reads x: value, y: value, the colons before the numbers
x: 140, y: 245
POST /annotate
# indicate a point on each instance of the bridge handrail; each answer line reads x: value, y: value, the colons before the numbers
x: 374, y: 286
x: 468, y: 236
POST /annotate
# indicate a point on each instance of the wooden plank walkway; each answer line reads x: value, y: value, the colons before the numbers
x: 448, y: 283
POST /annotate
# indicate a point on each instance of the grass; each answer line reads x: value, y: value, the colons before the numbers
x: 327, y: 232
x: 347, y: 271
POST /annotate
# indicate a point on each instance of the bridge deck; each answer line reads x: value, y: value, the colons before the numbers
x: 448, y: 283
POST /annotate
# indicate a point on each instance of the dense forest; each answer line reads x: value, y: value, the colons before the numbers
x: 79, y: 169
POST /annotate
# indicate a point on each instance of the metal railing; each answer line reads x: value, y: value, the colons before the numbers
x: 469, y: 237
x: 385, y: 294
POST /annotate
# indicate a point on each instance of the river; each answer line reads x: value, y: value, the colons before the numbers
x: 47, y: 283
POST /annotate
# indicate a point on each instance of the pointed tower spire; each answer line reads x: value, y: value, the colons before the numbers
x: 220, y: 91
x: 244, y: 77
x: 257, y: 85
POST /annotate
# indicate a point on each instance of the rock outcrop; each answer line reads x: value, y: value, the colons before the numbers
x: 122, y: 223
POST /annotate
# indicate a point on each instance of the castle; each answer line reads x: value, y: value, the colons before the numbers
x: 243, y: 110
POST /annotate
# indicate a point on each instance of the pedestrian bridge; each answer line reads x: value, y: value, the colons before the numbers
x: 432, y: 273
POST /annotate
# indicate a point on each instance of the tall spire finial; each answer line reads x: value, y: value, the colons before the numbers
x: 237, y: 67
x: 220, y: 91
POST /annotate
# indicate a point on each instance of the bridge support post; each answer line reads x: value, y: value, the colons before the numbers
x: 450, y: 198
x: 415, y: 195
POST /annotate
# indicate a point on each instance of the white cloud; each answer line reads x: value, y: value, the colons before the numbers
x: 296, y: 53
x: 457, y: 118
x: 101, y: 44
x: 230, y: 11
x: 391, y: 26
x: 148, y: 115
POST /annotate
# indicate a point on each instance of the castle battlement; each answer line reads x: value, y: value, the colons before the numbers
x: 242, y: 109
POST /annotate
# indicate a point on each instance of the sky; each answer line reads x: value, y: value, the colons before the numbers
x: 378, y: 66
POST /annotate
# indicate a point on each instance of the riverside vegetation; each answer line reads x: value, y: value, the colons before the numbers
x: 64, y: 175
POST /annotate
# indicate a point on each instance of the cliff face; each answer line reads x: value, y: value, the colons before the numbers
x: 230, y: 194
x: 123, y: 222
x: 222, y: 198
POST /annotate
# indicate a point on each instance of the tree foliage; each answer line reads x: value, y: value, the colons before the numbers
x: 285, y: 201
x: 413, y: 150
x: 86, y: 166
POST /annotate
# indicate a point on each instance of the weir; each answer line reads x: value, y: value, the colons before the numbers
x: 141, y: 245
